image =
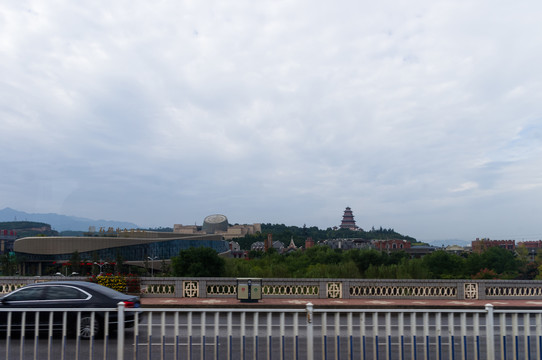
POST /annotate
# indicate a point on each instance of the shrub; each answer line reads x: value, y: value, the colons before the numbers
x: 120, y: 283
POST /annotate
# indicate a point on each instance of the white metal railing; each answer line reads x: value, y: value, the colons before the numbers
x: 257, y: 333
x: 53, y: 332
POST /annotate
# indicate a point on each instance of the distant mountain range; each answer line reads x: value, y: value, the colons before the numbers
x: 63, y: 222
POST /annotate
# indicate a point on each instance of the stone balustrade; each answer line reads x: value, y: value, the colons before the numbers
x: 323, y: 288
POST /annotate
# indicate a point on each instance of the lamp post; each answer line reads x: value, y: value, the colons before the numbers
x: 101, y: 265
x: 152, y: 263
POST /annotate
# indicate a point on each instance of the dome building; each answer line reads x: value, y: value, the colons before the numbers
x: 213, y: 224
x: 218, y: 224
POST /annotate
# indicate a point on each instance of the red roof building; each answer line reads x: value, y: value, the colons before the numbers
x: 481, y: 245
x: 391, y: 245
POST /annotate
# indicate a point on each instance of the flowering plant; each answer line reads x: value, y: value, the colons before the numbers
x: 485, y: 274
x: 123, y: 283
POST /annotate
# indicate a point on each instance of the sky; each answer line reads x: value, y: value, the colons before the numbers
x: 422, y: 116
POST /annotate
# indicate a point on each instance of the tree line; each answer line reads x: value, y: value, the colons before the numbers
x: 324, y: 262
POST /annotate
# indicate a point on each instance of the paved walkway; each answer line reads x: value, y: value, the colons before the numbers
x: 336, y: 303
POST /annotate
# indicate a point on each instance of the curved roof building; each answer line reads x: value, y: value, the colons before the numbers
x: 132, y: 246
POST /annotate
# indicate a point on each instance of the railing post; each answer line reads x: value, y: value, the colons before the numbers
x: 490, y: 332
x: 120, y: 331
x: 310, y: 332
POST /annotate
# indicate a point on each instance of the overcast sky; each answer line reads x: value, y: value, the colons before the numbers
x: 422, y: 116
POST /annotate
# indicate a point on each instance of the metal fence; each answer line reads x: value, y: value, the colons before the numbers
x: 308, y: 333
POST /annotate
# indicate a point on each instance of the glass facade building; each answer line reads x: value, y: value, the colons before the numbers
x: 132, y: 248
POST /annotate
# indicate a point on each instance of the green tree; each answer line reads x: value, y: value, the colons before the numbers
x: 198, y: 262
x: 323, y: 255
x: 395, y: 257
x: 119, y: 264
x: 95, y: 260
x: 527, y: 269
x: 237, y: 268
x: 473, y: 264
x: 381, y: 272
x: 255, y: 254
x: 442, y: 265
x: 75, y: 261
x: 522, y: 254
x: 8, y: 264
x: 500, y: 260
x: 165, y: 268
x: 366, y: 258
x: 412, y: 269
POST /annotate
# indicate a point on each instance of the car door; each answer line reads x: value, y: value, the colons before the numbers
x: 65, y: 297
x: 27, y: 297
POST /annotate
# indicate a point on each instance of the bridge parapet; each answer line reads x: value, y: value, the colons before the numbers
x: 350, y: 288
x: 324, y: 288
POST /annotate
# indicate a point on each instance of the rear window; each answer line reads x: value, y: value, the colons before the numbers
x: 26, y: 294
x: 65, y: 293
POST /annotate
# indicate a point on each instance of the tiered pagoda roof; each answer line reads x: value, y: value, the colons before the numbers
x: 348, y: 221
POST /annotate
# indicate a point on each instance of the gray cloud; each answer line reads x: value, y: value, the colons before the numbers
x: 421, y: 116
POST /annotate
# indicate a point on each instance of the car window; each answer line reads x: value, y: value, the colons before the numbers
x: 26, y: 294
x: 64, y: 293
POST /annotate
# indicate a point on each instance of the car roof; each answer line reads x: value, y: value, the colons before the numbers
x: 86, y: 285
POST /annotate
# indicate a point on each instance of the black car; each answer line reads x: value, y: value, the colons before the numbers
x: 67, y: 295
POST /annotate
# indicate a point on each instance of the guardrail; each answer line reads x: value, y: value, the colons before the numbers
x: 323, y: 288
x: 283, y: 334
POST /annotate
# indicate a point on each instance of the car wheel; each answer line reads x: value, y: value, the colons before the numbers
x: 85, y: 330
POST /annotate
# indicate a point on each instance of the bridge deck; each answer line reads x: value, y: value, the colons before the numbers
x: 336, y: 303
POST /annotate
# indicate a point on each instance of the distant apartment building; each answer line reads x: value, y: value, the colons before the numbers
x: 391, y: 245
x: 347, y: 244
x: 455, y: 249
x: 236, y: 252
x: 481, y: 245
x: 419, y: 251
x: 531, y: 244
x: 309, y: 243
x: 260, y: 246
x: 234, y: 246
x: 533, y: 247
x: 7, y: 238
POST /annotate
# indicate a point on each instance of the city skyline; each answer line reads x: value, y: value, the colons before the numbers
x: 63, y: 222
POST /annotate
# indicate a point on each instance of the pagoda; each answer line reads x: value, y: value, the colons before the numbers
x: 348, y: 221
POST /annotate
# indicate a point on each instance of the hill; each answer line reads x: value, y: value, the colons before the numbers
x: 285, y: 234
x: 63, y: 222
x: 28, y: 228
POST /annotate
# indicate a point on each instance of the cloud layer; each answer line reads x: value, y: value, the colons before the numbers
x: 421, y: 116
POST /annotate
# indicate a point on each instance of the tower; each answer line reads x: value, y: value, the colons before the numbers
x: 268, y: 244
x: 348, y: 221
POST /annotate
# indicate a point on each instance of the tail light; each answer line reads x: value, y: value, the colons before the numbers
x: 130, y: 304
